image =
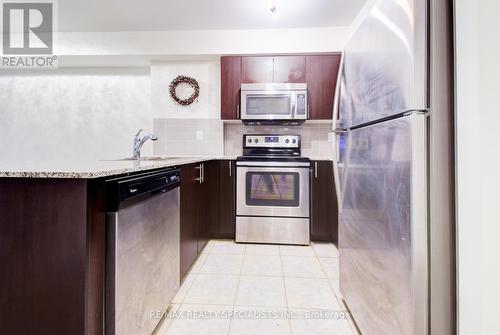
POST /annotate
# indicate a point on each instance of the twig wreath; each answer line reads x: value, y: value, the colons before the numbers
x: 184, y: 80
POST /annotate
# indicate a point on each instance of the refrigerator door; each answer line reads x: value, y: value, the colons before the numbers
x: 383, y: 226
x: 384, y: 69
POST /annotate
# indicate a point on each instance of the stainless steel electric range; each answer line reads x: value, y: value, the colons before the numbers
x: 272, y: 191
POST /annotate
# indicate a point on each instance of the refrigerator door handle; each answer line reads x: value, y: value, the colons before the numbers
x: 338, y: 131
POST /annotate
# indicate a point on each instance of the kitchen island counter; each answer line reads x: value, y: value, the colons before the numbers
x: 94, y: 169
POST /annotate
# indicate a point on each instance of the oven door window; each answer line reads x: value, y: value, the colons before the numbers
x: 261, y: 104
x: 272, y: 189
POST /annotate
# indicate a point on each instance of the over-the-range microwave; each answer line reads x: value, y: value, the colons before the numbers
x: 274, y: 103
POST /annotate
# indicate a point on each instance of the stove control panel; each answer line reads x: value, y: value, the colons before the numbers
x: 271, y: 141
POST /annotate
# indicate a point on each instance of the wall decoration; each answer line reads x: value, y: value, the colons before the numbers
x: 184, y: 80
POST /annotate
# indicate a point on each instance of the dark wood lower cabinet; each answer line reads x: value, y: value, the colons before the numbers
x: 207, y: 207
x: 324, y: 206
x: 208, y: 199
x: 227, y: 206
x: 189, y: 217
x: 51, y: 256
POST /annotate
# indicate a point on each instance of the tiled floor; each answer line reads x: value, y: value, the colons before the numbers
x: 260, y: 289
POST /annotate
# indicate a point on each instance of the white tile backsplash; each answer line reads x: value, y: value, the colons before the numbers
x: 314, y: 137
x: 188, y: 137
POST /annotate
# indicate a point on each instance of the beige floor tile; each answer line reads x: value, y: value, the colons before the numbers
x: 184, y: 289
x: 196, y: 268
x: 213, y: 289
x: 318, y: 322
x: 335, y: 284
x: 293, y: 250
x: 261, y: 291
x: 325, y: 250
x: 263, y: 249
x: 228, y: 248
x: 222, y: 264
x: 208, y: 247
x: 330, y: 266
x: 201, y: 320
x: 307, y: 267
x: 258, y: 321
x: 310, y: 293
x: 167, y: 321
x: 262, y: 265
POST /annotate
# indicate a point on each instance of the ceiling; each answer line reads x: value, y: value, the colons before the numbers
x: 151, y: 15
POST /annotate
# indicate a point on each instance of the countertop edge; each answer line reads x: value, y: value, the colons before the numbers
x: 108, y: 172
x: 101, y: 173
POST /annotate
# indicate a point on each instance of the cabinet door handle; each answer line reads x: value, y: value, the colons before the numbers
x: 200, y: 175
x: 316, y: 170
x: 230, y: 168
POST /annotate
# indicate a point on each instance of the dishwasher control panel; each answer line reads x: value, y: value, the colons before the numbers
x: 121, y: 189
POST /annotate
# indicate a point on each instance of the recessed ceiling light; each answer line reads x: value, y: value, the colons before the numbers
x: 273, y: 8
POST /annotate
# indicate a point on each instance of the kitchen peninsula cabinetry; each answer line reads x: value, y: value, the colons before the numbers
x: 52, y: 244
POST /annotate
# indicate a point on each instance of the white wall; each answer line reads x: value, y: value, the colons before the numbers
x: 194, y: 130
x: 72, y: 114
x: 202, y: 42
x: 207, y: 106
x: 478, y: 162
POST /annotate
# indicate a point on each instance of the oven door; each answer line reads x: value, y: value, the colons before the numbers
x: 273, y: 191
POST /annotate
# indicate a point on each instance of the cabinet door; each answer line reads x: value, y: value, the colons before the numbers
x: 209, y: 203
x: 189, y: 218
x: 324, y: 215
x: 257, y: 69
x: 227, y: 189
x: 230, y: 87
x: 289, y: 69
x: 321, y: 74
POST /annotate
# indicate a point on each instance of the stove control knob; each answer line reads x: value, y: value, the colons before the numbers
x: 249, y: 140
x: 287, y: 141
x: 256, y: 140
x: 294, y: 141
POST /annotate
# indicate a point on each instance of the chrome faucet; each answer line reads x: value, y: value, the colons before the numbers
x: 138, y: 142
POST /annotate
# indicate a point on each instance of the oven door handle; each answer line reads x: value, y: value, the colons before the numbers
x: 274, y: 169
x: 274, y: 164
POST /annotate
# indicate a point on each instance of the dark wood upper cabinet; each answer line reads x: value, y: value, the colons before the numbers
x: 321, y: 78
x: 230, y: 87
x: 324, y: 207
x: 318, y: 71
x: 257, y: 69
x: 289, y: 69
x: 227, y: 191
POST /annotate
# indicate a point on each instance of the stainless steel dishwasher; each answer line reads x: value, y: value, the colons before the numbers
x: 142, y: 250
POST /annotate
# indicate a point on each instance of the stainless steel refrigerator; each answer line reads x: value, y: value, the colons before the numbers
x: 384, y: 169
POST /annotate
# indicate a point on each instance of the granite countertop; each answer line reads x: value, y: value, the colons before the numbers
x: 100, y: 168
x: 93, y: 169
